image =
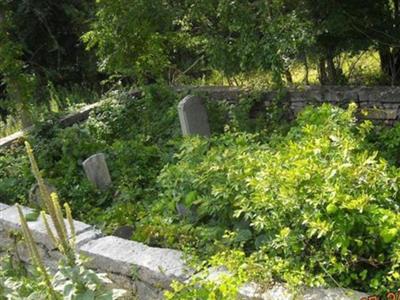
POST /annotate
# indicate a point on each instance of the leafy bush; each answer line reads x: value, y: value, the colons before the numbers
x: 313, y: 207
x: 16, y: 178
x: 124, y: 129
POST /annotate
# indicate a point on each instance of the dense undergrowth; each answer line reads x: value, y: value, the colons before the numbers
x: 309, y: 202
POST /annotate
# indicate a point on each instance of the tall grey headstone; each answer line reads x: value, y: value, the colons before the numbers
x: 97, y: 171
x: 193, y: 116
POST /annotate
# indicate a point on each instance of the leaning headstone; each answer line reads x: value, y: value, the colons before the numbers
x: 97, y: 171
x: 193, y: 116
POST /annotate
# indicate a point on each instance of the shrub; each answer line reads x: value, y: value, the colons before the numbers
x: 313, y: 207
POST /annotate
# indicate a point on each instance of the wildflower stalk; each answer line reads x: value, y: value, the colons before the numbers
x: 52, y: 205
x: 34, y: 252
x: 68, y: 213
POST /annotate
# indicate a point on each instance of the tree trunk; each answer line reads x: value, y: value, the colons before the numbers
x: 323, y: 78
x: 288, y: 76
x: 332, y: 75
x: 306, y: 81
x: 390, y: 64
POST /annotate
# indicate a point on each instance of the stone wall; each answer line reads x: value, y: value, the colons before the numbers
x: 142, y: 270
x: 379, y: 103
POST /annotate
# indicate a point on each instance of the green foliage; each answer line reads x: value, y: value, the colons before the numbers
x: 313, y: 208
x: 132, y: 38
x: 387, y: 141
x: 15, y: 175
x: 136, y: 149
x: 72, y: 280
x: 217, y: 282
x: 310, y: 205
x: 229, y: 37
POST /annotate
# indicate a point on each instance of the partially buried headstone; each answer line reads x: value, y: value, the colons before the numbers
x: 97, y: 171
x: 124, y: 232
x: 193, y: 116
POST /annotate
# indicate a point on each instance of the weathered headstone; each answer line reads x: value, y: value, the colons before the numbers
x: 97, y: 171
x: 193, y: 116
x: 124, y: 232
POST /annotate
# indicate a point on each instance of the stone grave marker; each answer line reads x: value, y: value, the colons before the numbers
x: 124, y: 232
x: 97, y: 171
x: 193, y: 116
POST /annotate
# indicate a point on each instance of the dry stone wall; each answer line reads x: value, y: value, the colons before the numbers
x: 379, y: 103
x: 142, y: 270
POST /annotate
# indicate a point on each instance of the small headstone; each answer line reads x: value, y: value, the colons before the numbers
x: 97, y: 171
x: 124, y: 232
x: 193, y: 116
x: 35, y: 197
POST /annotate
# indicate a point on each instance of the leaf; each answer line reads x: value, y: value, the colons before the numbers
x: 388, y: 234
x: 32, y: 216
x: 243, y: 235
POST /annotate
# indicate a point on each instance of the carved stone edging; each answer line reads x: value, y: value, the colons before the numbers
x: 145, y: 271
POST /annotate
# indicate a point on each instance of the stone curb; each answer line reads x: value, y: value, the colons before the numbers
x: 145, y: 271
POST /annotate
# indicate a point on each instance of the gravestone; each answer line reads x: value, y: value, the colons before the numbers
x: 193, y: 116
x: 97, y: 171
x: 124, y: 232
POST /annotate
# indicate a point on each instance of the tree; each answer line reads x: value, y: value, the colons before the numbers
x: 144, y: 39
x: 40, y: 43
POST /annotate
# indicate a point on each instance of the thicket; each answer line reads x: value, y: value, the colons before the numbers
x: 310, y: 203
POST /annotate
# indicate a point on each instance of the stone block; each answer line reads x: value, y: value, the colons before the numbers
x: 3, y: 207
x: 193, y: 116
x: 147, y: 292
x: 50, y: 261
x: 252, y: 291
x: 379, y: 114
x: 341, y: 95
x: 10, y: 220
x: 156, y: 266
x: 122, y: 282
x: 87, y: 235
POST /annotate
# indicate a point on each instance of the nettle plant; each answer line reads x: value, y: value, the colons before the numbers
x: 313, y: 208
x: 72, y: 280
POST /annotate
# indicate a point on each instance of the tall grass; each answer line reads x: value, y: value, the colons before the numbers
x: 59, y: 100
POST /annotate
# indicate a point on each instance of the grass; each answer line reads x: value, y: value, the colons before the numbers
x: 60, y: 100
x: 360, y: 69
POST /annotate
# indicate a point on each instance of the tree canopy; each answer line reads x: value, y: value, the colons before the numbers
x: 143, y: 41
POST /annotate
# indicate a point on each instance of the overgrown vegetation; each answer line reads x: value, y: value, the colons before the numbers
x: 309, y: 203
x: 73, y: 280
x: 102, y: 43
x: 312, y: 201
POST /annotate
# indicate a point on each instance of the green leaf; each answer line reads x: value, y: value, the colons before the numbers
x: 388, y: 234
x: 32, y: 216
